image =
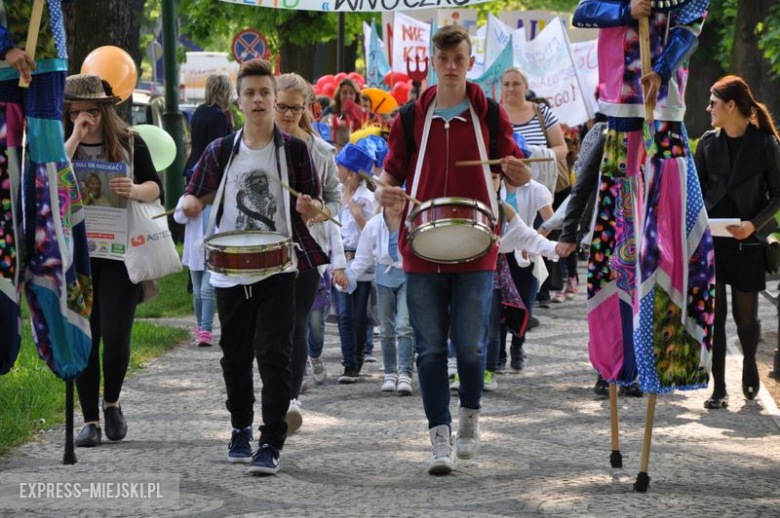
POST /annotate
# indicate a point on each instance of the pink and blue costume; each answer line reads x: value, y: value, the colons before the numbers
x: 652, y: 261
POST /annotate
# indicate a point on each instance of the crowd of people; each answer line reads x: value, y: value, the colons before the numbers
x: 364, y: 236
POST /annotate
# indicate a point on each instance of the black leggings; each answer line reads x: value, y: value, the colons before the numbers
x: 744, y: 308
x: 113, y: 312
x: 305, y: 291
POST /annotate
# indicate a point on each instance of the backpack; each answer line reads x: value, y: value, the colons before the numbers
x: 407, y: 120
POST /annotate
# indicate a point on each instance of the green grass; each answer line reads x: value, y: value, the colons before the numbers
x: 174, y: 299
x: 32, y: 398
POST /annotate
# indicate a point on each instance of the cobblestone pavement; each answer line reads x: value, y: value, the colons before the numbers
x: 360, y: 452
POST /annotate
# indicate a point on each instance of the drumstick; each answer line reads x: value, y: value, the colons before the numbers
x: 296, y: 193
x: 380, y: 183
x: 163, y: 214
x: 32, y: 35
x: 464, y: 163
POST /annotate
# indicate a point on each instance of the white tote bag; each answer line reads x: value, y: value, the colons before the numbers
x: 151, y: 253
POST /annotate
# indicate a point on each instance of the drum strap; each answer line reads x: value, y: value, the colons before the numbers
x: 482, y: 155
x: 221, y: 189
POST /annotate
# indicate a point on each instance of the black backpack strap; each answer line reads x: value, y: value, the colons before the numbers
x: 226, y: 149
x: 492, y: 121
x: 407, y: 121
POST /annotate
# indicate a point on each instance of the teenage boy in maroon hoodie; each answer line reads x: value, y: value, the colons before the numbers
x: 449, y: 299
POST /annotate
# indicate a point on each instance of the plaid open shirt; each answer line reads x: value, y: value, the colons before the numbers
x: 208, y: 172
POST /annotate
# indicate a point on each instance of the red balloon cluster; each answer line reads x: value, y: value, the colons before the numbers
x: 400, y: 86
x: 327, y: 84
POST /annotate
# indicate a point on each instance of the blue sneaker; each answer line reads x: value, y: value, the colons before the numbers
x: 265, y: 461
x: 240, y: 447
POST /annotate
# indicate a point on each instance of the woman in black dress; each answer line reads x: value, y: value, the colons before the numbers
x: 739, y: 168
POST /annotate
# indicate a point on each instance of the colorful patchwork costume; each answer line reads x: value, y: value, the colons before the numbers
x: 42, y: 233
x: 652, y: 262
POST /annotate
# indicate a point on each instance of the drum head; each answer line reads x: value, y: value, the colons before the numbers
x: 245, y: 239
x: 448, y: 244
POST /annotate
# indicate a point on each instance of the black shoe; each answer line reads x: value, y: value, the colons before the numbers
x: 88, y: 436
x: 532, y: 323
x: 602, y: 387
x: 351, y: 375
x: 632, y: 390
x: 265, y: 461
x: 517, y: 357
x: 714, y: 402
x: 116, y: 426
x: 751, y: 391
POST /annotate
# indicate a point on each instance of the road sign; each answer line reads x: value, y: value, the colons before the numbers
x: 250, y: 44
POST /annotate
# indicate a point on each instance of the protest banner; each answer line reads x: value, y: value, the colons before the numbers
x: 490, y: 81
x: 587, y: 65
x: 533, y: 22
x: 356, y: 6
x: 410, y: 41
x: 376, y: 58
x: 466, y: 18
x: 496, y: 39
x: 549, y: 66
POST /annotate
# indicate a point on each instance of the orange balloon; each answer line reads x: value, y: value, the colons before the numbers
x: 115, y: 66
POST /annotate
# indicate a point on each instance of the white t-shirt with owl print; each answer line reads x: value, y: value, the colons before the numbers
x: 253, y: 201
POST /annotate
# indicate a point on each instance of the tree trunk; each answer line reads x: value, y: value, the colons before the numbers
x: 89, y: 27
x: 747, y: 60
x: 705, y: 69
x: 298, y: 59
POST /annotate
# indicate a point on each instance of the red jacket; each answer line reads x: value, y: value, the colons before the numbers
x: 439, y: 177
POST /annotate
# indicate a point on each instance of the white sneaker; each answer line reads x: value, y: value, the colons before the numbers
x: 455, y: 383
x: 467, y: 443
x: 490, y: 383
x: 442, y: 460
x: 389, y: 383
x: 452, y: 367
x: 294, y: 416
x: 404, y: 387
x: 318, y: 371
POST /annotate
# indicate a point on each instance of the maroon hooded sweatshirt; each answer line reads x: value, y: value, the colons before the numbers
x: 447, y: 143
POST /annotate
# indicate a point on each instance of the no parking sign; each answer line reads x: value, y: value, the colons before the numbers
x: 250, y: 44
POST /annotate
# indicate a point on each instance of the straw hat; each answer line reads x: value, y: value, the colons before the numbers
x: 89, y: 87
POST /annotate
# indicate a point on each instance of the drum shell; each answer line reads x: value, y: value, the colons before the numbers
x: 447, y: 212
x: 259, y: 259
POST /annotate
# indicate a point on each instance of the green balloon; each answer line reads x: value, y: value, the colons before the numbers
x: 160, y: 143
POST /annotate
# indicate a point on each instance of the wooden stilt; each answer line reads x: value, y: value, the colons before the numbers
x: 615, y: 458
x: 643, y: 479
x: 70, y: 455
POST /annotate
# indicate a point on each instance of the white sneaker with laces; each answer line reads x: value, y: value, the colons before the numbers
x: 467, y: 443
x: 452, y: 367
x: 442, y: 459
x: 404, y: 387
x: 389, y: 383
x: 294, y: 416
x: 318, y: 371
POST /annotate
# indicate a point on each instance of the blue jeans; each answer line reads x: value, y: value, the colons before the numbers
x: 494, y: 334
x: 203, y: 298
x: 352, y: 309
x: 317, y: 331
x: 394, y: 324
x: 458, y: 305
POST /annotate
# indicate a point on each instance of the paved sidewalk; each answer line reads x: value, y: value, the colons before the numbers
x: 364, y: 453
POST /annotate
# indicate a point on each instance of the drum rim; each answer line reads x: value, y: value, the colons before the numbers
x: 208, y: 245
x: 452, y: 200
x: 449, y: 223
x: 248, y: 273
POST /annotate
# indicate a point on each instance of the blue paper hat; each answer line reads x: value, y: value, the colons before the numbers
x: 377, y: 145
x: 323, y: 130
x: 521, y: 143
x: 356, y: 158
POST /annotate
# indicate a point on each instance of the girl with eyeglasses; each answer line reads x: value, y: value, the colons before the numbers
x: 739, y: 169
x: 93, y: 131
x: 293, y: 117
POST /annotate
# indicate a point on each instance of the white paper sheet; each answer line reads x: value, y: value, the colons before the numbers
x: 718, y: 226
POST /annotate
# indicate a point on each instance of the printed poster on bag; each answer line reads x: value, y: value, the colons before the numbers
x: 105, y: 211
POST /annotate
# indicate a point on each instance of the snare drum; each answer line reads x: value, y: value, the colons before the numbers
x: 249, y: 252
x: 451, y: 230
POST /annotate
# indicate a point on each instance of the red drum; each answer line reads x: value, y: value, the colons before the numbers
x: 451, y: 230
x: 249, y: 252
